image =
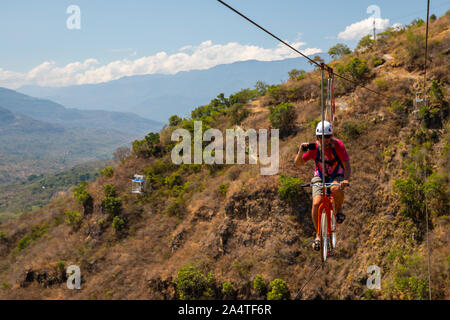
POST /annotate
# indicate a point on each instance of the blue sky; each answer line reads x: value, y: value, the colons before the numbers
x: 34, y: 33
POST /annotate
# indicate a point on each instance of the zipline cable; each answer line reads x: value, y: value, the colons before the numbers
x: 309, y: 279
x: 426, y: 46
x: 426, y: 206
x: 303, y: 55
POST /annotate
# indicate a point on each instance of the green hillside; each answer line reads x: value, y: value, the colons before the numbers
x: 29, y: 146
x: 38, y: 190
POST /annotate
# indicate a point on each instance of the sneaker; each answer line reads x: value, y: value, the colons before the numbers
x: 340, y: 217
x: 316, y: 245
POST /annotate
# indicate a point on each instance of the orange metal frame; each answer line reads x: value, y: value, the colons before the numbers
x: 328, y: 203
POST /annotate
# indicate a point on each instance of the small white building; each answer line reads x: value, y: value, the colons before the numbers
x: 137, y: 184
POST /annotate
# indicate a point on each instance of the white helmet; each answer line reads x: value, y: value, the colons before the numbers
x: 327, y: 127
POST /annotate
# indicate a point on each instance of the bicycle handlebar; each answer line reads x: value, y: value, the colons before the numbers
x: 320, y: 184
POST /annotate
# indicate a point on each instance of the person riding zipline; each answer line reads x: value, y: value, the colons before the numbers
x: 337, y: 165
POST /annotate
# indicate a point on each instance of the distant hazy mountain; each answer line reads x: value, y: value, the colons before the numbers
x: 160, y: 96
x: 29, y: 146
x: 51, y: 112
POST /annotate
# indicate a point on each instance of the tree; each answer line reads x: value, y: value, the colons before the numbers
x: 295, y: 74
x: 174, y: 121
x: 121, y: 154
x: 279, y: 290
x: 118, y: 224
x: 365, y: 42
x: 83, y: 197
x: 317, y: 59
x: 192, y: 284
x: 283, y: 117
x: 261, y: 87
x: 243, y: 96
x: 356, y: 68
x: 152, y: 138
x: 339, y: 50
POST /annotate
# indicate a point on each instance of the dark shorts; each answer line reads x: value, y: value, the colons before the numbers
x: 317, y: 191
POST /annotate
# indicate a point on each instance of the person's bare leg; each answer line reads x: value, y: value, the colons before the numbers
x: 338, y: 195
x: 315, y: 212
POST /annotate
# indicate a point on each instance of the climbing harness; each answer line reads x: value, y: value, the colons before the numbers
x: 334, y: 163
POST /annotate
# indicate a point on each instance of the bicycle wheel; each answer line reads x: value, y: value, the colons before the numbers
x: 333, y: 230
x: 333, y: 225
x: 324, y: 241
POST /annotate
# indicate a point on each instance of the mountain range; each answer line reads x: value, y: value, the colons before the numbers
x: 29, y: 146
x: 159, y: 96
x: 54, y: 113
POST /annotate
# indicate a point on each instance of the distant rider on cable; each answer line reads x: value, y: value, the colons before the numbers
x: 337, y: 165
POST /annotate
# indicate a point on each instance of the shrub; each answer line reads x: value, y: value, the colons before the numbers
x: 36, y: 233
x: 417, y: 23
x: 411, y: 197
x: 60, y: 265
x: 108, y: 172
x: 2, y: 236
x: 289, y: 187
x: 277, y: 93
x: 283, y: 117
x: 238, y: 112
x: 73, y: 219
x: 149, y: 146
x: 101, y: 222
x: 82, y: 196
x: 173, y: 180
x: 357, y: 69
x: 223, y: 189
x: 260, y: 285
x: 112, y: 205
x: 278, y: 290
x: 377, y: 61
x: 314, y: 124
x: 109, y: 190
x: 398, y: 108
x: 118, y: 224
x: 227, y: 289
x: 415, y: 49
x: 416, y: 289
x: 382, y: 84
x: 352, y: 130
x: 436, y: 191
x: 176, y: 207
x: 192, y: 168
x: 192, y: 284
x: 6, y: 285
x: 23, y: 243
x: 406, y: 284
x: 436, y: 93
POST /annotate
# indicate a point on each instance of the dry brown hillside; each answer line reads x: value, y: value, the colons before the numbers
x: 201, y: 226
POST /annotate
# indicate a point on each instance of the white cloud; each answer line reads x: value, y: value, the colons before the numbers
x: 362, y: 28
x: 203, y: 56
